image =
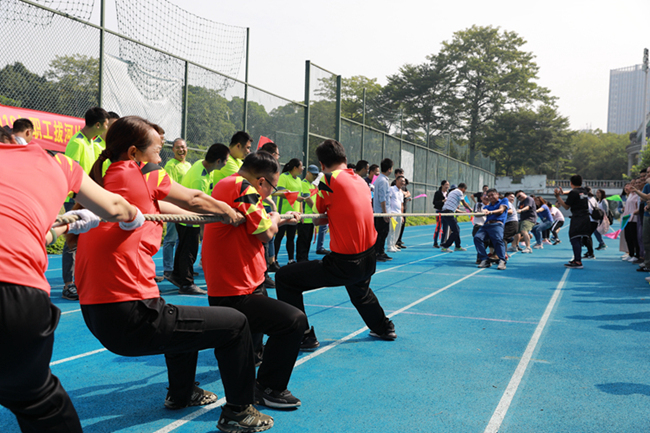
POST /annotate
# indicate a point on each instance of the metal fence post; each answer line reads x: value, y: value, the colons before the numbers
x: 186, y: 91
x: 101, y: 53
x: 245, y: 108
x: 337, y: 130
x: 363, y: 124
x: 305, y: 148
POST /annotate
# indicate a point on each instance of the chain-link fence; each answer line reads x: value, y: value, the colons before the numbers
x: 67, y: 62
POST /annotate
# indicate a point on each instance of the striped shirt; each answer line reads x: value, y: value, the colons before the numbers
x: 453, y: 200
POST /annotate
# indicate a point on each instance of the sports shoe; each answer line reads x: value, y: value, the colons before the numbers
x: 70, y: 292
x: 275, y: 399
x: 393, y: 250
x: 512, y: 249
x: 389, y: 334
x: 436, y: 246
x: 192, y: 289
x: 401, y: 245
x: 642, y: 268
x: 588, y: 256
x: 273, y: 267
x: 633, y: 260
x: 527, y: 250
x: 309, y: 341
x: 248, y: 420
x: 382, y: 259
x: 268, y: 282
x: 573, y: 264
x: 557, y: 241
x: 291, y: 262
x: 502, y: 265
x: 159, y: 278
x: 546, y: 242
x: 647, y: 279
x: 484, y: 264
x: 323, y: 251
x: 386, y: 256
x: 460, y: 249
x: 625, y: 256
x: 601, y: 247
x: 446, y: 250
x: 200, y: 397
x: 538, y: 247
x: 170, y: 277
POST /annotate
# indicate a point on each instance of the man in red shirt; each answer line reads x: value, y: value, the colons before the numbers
x: 344, y: 197
x: 234, y: 272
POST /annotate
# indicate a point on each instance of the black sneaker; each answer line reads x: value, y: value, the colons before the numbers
x: 401, y: 245
x: 557, y: 241
x: 573, y: 264
x: 248, y: 420
x: 389, y: 333
x: 588, y: 256
x: 309, y: 341
x: 275, y: 399
x: 200, y: 397
x: 170, y: 277
x: 436, y: 246
x: 323, y: 251
x: 601, y: 247
x: 159, y: 278
x: 274, y: 267
x: 192, y: 289
x: 268, y: 282
x: 385, y: 256
x: 291, y: 262
x: 382, y: 259
x: 642, y: 268
x: 70, y: 292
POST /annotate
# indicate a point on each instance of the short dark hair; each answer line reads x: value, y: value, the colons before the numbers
x: 386, y: 164
x: 95, y: 115
x: 240, y: 137
x: 372, y: 167
x: 217, y: 151
x: 330, y: 153
x: 352, y: 166
x: 517, y: 192
x: 576, y: 180
x: 269, y: 147
x: 443, y: 183
x: 5, y: 136
x: 461, y: 185
x: 506, y: 194
x: 361, y: 164
x: 113, y: 115
x: 260, y: 164
x: 492, y: 190
x: 21, y: 125
x: 400, y: 177
x: 399, y: 171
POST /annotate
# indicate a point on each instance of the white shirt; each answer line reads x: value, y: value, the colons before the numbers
x: 396, y: 200
x: 453, y: 200
x: 557, y: 214
x: 20, y: 140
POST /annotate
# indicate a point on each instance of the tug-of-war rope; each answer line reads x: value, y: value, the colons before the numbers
x: 204, y: 219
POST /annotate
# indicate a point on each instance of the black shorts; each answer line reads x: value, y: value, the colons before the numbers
x: 510, y: 230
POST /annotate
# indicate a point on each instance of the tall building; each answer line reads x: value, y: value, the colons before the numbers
x: 625, y: 112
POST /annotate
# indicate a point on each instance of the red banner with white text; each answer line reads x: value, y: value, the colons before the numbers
x: 51, y: 131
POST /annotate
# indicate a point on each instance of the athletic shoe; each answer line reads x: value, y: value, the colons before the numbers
x: 625, y: 256
x: 588, y: 256
x: 538, y: 247
x: 527, y: 250
x: 633, y: 260
x: 436, y: 246
x: 446, y: 250
x: 159, y: 278
x: 275, y: 399
x: 309, y: 341
x: 602, y: 247
x: 557, y: 241
x: 574, y: 265
x: 269, y: 283
x: 484, y: 264
x: 520, y: 249
x: 502, y: 265
x: 393, y: 250
x: 291, y: 262
x: 546, y: 242
x: 191, y: 289
x: 478, y: 261
x: 248, y: 420
x: 200, y: 397
x: 274, y: 267
x: 382, y: 259
x: 170, y: 277
x: 70, y: 292
x: 512, y: 249
x: 460, y: 249
x: 647, y: 279
x: 196, y: 274
x: 642, y: 268
x: 386, y: 256
x: 493, y: 258
x: 166, y: 274
x: 389, y: 334
x: 323, y: 251
x: 401, y: 245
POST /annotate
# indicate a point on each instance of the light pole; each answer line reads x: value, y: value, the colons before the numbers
x: 645, y: 99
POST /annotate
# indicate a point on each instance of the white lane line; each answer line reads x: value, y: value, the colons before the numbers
x: 193, y: 415
x: 83, y: 355
x: 71, y: 311
x: 499, y: 414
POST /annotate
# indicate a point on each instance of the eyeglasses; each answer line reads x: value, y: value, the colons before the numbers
x: 267, y: 181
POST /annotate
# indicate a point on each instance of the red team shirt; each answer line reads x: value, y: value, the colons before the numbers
x: 114, y: 265
x: 345, y: 198
x: 29, y: 206
x: 234, y: 254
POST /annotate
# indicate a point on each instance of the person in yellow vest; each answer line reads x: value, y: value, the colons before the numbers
x: 289, y: 180
x: 99, y: 141
x: 176, y: 169
x: 240, y: 146
x: 81, y: 148
x: 306, y: 226
x: 189, y: 236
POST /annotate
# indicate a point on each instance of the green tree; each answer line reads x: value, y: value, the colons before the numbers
x: 76, y: 80
x: 490, y: 74
x: 599, y: 155
x: 210, y: 119
x: 21, y: 88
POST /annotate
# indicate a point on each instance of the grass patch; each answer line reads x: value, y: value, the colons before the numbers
x: 430, y: 220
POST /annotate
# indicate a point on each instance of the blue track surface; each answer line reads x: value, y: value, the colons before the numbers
x: 534, y: 348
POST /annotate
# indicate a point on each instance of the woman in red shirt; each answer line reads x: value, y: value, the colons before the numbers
x: 120, y: 300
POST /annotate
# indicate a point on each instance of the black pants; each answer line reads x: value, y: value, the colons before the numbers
x: 588, y: 241
x: 284, y: 324
x: 382, y: 228
x: 153, y: 327
x: 401, y: 231
x: 438, y: 232
x: 305, y: 235
x: 555, y: 228
x: 350, y: 270
x: 290, y: 230
x: 27, y: 386
x: 186, y: 253
x: 449, y: 222
x: 632, y: 239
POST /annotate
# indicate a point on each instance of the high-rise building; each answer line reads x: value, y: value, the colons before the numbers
x: 625, y: 112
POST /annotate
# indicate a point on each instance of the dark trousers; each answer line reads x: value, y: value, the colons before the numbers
x: 284, y: 324
x: 438, y: 233
x: 186, y: 253
x: 588, y: 241
x: 27, y: 386
x: 576, y: 244
x: 632, y: 239
x: 382, y: 228
x: 401, y: 231
x: 493, y: 232
x: 153, y: 327
x: 290, y: 231
x: 350, y: 270
x: 450, y: 223
x: 555, y: 228
x: 305, y: 235
x: 67, y: 255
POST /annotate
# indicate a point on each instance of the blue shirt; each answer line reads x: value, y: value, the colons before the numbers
x: 382, y: 193
x: 545, y: 213
x: 495, y: 206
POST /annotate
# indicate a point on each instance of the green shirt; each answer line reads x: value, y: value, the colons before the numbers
x: 309, y: 190
x: 82, y: 150
x: 177, y: 169
x: 232, y: 166
x: 287, y: 181
x: 197, y: 177
x: 99, y: 144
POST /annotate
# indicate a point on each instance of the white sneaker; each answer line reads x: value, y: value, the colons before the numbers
x: 633, y: 260
x: 460, y: 249
x: 502, y: 265
x: 647, y: 279
x: 625, y: 257
x: 546, y: 242
x: 512, y: 249
x: 539, y: 247
x: 527, y: 250
x: 392, y: 250
x: 485, y: 264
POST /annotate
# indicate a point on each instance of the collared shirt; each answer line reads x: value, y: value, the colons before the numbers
x: 503, y: 217
x: 514, y: 216
x: 82, y: 150
x: 20, y: 140
x: 396, y: 200
x: 382, y: 193
x: 232, y: 166
x: 453, y: 200
x: 177, y: 169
